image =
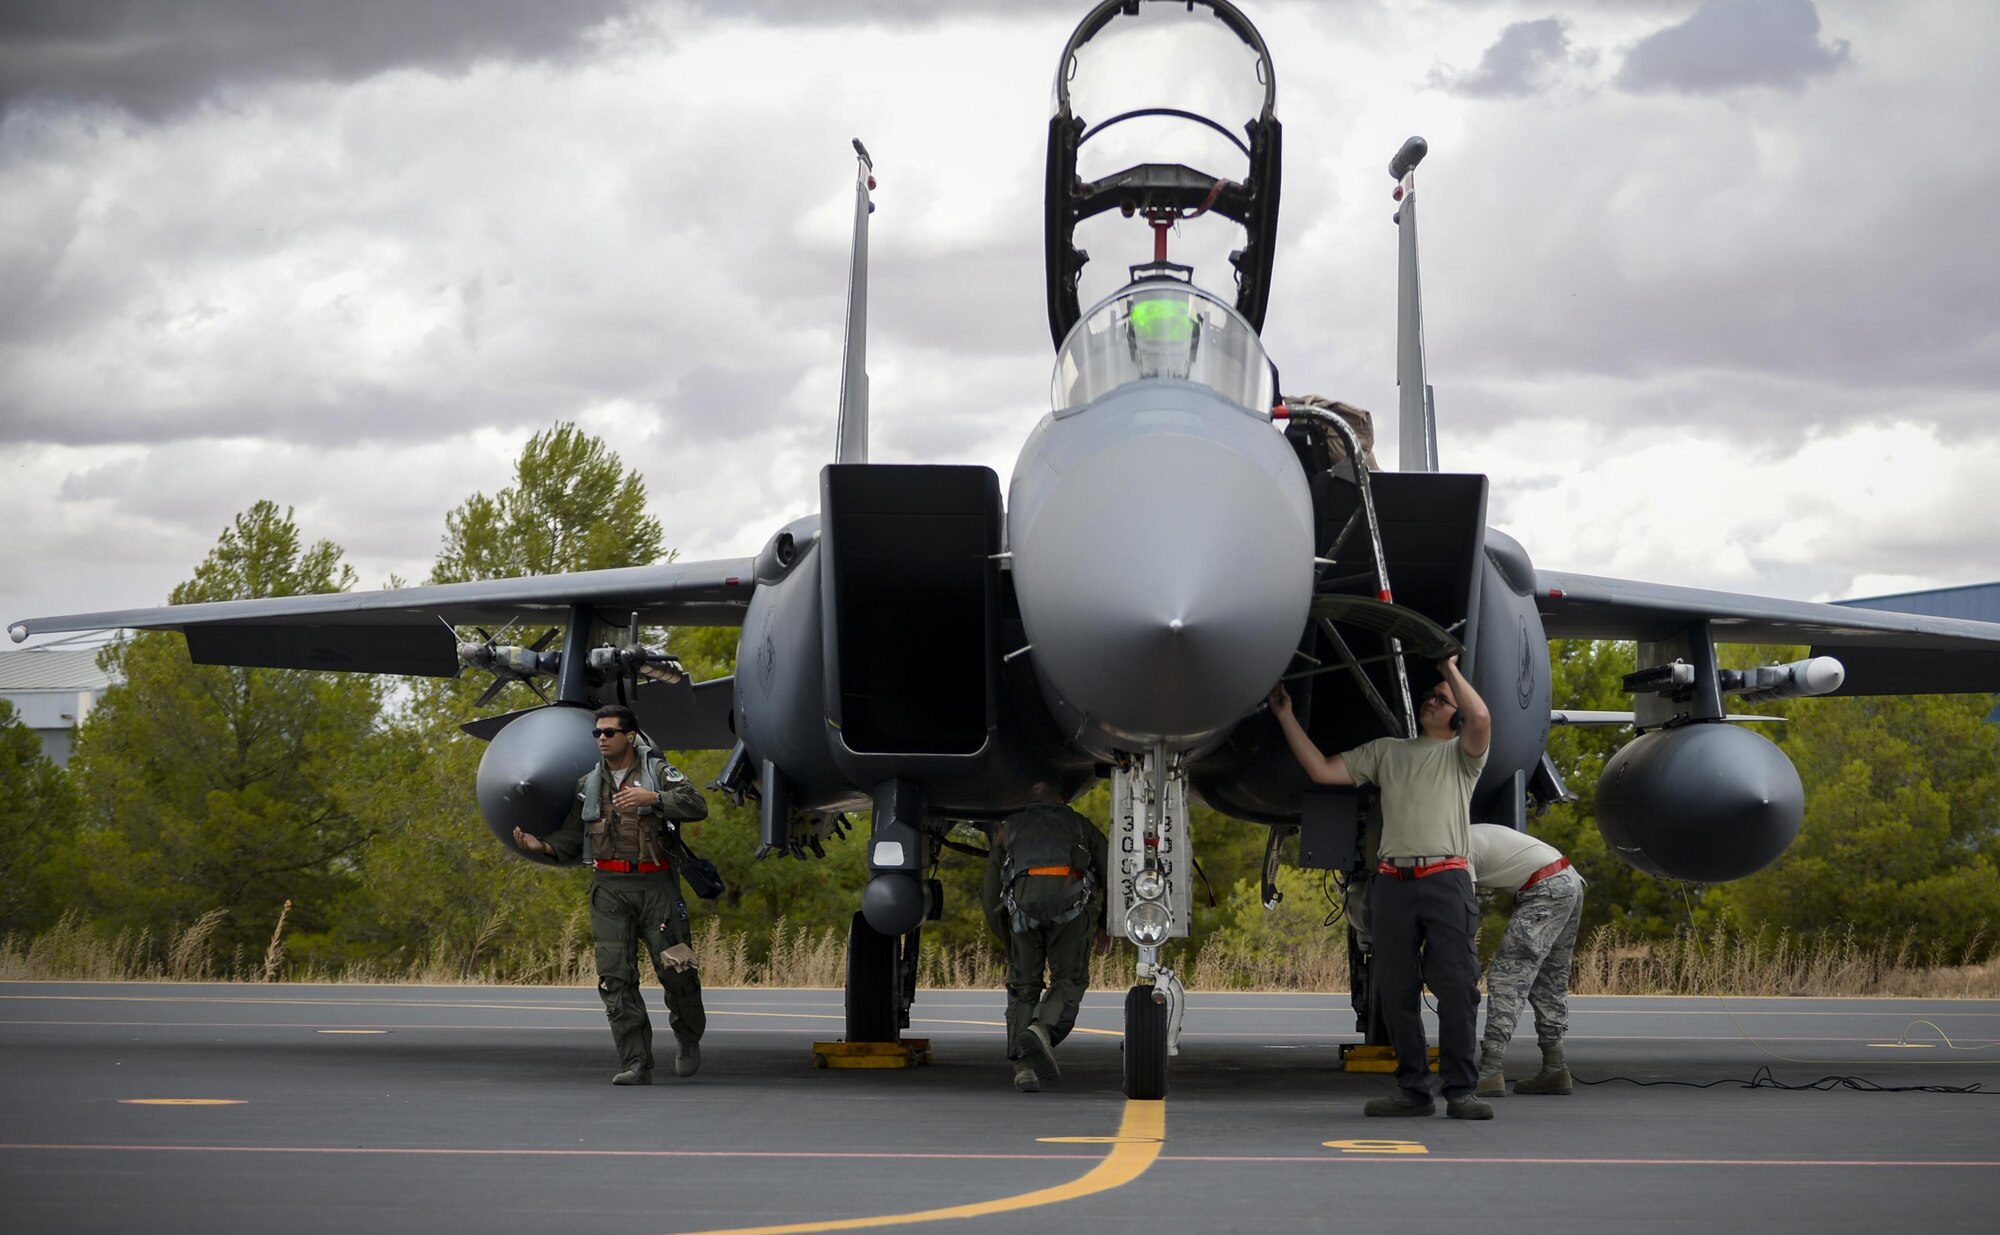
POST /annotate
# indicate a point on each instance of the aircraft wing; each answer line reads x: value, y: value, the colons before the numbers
x: 399, y: 630
x: 1884, y: 653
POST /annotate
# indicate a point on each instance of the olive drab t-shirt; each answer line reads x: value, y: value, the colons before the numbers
x: 1502, y: 859
x: 1426, y: 793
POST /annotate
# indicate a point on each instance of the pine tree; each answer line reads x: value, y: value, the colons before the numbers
x: 439, y: 889
x: 36, y: 806
x: 206, y: 786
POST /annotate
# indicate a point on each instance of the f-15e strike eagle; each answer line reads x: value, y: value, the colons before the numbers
x: 1177, y: 536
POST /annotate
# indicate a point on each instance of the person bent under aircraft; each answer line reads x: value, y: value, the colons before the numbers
x: 625, y: 809
x: 1044, y: 875
x: 1421, y: 907
x: 1532, y: 964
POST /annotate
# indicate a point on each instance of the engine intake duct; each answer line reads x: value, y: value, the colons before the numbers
x: 911, y: 599
x: 1433, y: 532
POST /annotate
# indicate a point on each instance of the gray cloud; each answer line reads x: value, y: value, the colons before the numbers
x: 156, y: 59
x: 1518, y: 64
x: 1734, y: 44
x: 882, y: 12
x: 1648, y: 240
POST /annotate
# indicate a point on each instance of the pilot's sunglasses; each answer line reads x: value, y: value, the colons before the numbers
x: 601, y: 734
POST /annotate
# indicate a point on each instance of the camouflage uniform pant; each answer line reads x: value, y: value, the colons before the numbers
x: 1064, y: 951
x: 625, y: 909
x: 1533, y: 961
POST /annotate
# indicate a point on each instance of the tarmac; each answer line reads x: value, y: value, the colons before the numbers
x: 169, y: 1108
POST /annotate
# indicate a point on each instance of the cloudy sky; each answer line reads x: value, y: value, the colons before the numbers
x: 1710, y: 283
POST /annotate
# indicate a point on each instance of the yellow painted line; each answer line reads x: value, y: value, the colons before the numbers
x: 181, y: 1101
x: 1137, y: 1144
x: 1377, y: 1147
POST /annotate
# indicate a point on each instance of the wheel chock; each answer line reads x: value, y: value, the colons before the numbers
x: 907, y: 1053
x: 1358, y: 1057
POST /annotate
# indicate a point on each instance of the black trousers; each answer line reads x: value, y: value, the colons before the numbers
x: 1424, y: 932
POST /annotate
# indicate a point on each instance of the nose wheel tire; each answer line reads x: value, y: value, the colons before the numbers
x: 871, y: 984
x: 1145, y: 1045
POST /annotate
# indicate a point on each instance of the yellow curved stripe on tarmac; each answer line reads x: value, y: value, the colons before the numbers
x: 1140, y: 1135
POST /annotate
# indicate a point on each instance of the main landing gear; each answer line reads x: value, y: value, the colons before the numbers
x: 881, y: 982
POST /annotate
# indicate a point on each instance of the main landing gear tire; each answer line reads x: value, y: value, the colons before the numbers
x: 1145, y: 1045
x: 871, y: 984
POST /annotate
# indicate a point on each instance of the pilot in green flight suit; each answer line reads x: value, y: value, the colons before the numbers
x: 624, y: 806
x: 1041, y: 895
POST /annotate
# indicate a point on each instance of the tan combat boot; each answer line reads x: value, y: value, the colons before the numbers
x: 1554, y: 1078
x: 1492, y: 1081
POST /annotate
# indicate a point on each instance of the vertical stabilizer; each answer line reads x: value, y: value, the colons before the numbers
x: 1416, y: 436
x: 851, y: 439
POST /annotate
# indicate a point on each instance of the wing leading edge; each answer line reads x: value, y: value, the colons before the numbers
x: 1884, y: 653
x: 398, y: 630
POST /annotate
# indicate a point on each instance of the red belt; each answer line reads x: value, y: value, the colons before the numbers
x: 631, y: 868
x: 1051, y: 870
x: 1560, y: 864
x: 1418, y: 872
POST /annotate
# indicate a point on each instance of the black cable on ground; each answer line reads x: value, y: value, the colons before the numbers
x: 1762, y: 1079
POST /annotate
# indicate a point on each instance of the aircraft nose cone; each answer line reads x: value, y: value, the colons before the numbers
x: 1164, y: 582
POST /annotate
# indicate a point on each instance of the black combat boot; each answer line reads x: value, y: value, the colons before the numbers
x: 1399, y: 1103
x: 1032, y: 1048
x: 1025, y: 1079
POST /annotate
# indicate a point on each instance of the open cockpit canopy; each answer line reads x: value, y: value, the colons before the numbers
x: 1162, y: 134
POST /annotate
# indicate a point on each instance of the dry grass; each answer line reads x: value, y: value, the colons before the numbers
x: 1320, y: 964
x: 1720, y: 962
x: 1826, y: 962
x: 274, y: 953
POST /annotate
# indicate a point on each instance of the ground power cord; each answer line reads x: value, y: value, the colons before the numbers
x: 1762, y: 1078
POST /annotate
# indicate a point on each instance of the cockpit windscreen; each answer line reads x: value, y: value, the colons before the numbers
x: 1162, y: 331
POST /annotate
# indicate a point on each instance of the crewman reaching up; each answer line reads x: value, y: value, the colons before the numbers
x: 1421, y: 907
